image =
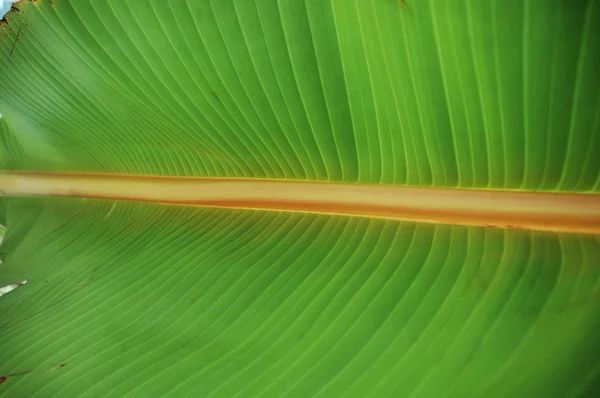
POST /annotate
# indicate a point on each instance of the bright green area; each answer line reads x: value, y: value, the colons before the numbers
x: 150, y: 300
x: 142, y: 300
x: 499, y: 93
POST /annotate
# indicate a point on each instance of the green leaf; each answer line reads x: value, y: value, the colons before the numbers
x: 444, y: 93
x: 144, y: 299
x: 138, y: 299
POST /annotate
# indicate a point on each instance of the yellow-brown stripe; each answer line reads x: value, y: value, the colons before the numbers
x: 568, y: 212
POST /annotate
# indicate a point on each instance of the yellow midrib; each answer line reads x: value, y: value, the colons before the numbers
x: 566, y: 212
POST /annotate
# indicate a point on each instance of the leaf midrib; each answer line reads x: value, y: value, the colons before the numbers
x: 551, y: 211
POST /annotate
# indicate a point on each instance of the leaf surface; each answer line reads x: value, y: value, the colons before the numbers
x: 131, y: 299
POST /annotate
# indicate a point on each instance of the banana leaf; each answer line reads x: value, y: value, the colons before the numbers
x: 136, y: 299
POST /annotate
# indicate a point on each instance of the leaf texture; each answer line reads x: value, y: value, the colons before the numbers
x: 438, y: 93
x: 150, y: 300
x: 128, y: 299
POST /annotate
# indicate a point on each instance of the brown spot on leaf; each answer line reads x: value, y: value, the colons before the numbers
x: 16, y: 40
x: 62, y: 365
x: 4, y: 379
